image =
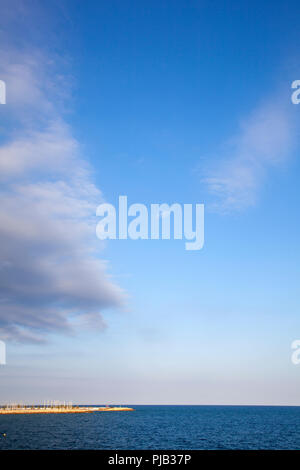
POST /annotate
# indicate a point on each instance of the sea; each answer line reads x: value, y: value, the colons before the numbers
x: 157, y: 427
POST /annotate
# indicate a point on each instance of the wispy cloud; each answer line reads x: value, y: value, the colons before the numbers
x: 50, y: 274
x: 264, y: 141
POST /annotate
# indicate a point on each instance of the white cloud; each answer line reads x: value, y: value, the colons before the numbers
x: 264, y: 141
x: 51, y: 279
x: 50, y: 150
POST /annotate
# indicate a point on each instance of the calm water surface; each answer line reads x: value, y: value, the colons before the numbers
x: 157, y: 427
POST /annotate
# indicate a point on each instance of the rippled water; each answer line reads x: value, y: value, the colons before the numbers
x: 157, y: 427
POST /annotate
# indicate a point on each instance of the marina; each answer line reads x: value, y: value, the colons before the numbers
x: 57, y: 407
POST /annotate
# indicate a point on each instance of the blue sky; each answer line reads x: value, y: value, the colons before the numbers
x: 169, y: 101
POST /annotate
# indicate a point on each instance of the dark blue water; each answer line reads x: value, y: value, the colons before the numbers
x: 157, y: 427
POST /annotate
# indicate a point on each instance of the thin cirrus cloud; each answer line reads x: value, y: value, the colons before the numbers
x: 51, y: 278
x: 264, y: 141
